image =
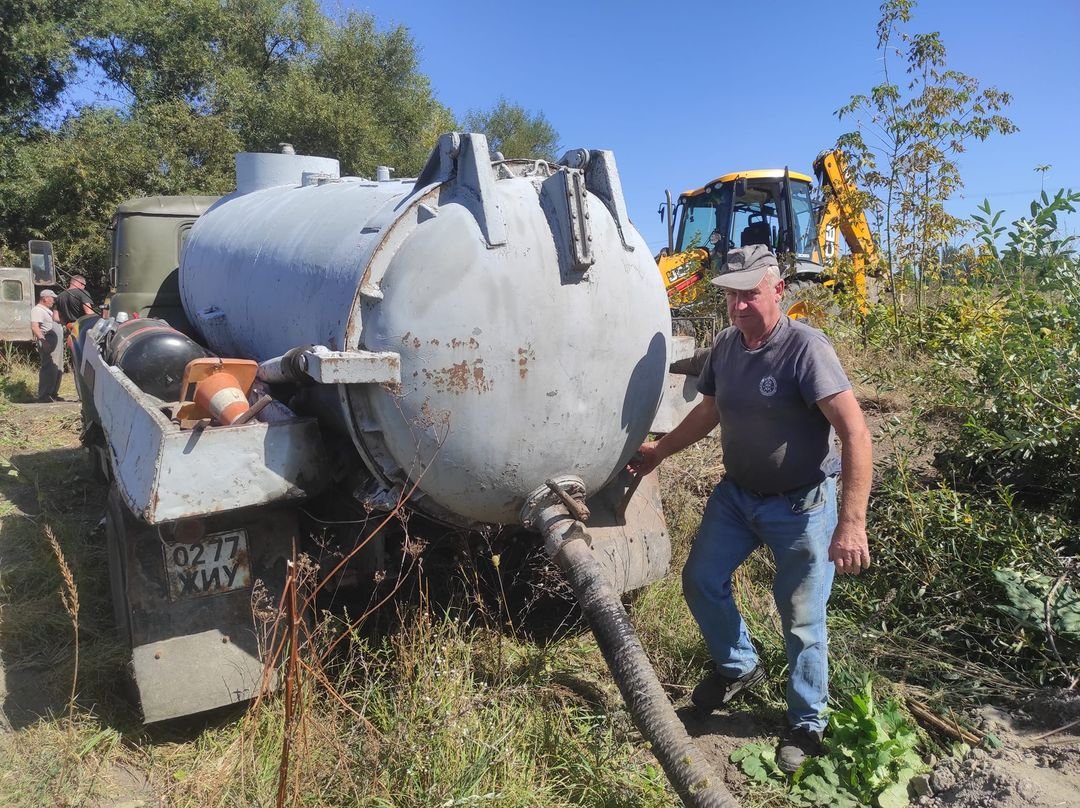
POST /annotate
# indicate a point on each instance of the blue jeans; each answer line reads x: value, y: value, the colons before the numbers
x: 797, y: 527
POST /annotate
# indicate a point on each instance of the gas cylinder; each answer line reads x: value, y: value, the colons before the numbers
x: 153, y: 355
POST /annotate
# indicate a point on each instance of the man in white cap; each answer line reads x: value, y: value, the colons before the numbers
x: 776, y: 389
x: 48, y: 336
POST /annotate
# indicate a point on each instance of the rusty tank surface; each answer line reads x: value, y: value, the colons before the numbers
x: 512, y: 308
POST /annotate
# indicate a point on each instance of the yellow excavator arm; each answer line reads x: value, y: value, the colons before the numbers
x: 842, y: 214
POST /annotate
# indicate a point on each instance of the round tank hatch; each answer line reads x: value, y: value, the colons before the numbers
x: 514, y: 368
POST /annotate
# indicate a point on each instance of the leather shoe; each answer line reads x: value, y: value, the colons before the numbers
x: 796, y: 745
x: 717, y: 690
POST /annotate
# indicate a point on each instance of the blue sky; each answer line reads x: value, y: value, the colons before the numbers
x: 686, y: 92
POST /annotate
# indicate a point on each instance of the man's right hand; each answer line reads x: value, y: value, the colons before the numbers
x: 698, y: 423
x: 646, y: 459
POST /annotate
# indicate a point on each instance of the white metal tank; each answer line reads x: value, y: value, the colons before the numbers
x: 528, y: 317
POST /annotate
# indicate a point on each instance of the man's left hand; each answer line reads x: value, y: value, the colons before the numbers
x: 849, y: 549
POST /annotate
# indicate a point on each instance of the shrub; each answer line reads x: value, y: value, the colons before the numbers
x: 1021, y: 400
x: 945, y: 560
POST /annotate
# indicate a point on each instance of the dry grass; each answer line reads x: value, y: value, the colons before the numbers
x: 69, y: 597
x: 19, y: 374
x: 53, y: 583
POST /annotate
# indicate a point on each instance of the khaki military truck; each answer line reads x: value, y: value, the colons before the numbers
x: 147, y: 236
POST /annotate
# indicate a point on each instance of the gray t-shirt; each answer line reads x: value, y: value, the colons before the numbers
x: 773, y: 435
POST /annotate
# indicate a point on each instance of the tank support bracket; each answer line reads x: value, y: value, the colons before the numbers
x: 319, y: 364
x: 465, y: 159
x: 474, y: 174
x: 351, y: 367
x: 602, y: 178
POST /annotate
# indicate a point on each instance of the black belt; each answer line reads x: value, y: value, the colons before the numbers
x: 788, y: 492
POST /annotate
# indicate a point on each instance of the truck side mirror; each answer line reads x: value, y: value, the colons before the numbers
x: 42, y: 265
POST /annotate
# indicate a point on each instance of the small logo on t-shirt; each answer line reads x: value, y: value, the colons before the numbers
x: 767, y: 386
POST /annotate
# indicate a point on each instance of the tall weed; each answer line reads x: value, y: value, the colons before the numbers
x: 1021, y: 400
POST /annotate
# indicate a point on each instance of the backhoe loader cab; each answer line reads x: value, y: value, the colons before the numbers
x: 769, y: 206
x: 783, y: 209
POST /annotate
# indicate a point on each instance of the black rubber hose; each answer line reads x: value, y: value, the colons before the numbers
x: 683, y: 763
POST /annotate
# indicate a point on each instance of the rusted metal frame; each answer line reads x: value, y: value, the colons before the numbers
x: 160, y: 469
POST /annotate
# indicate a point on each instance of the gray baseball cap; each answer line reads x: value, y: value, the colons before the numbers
x: 745, y: 267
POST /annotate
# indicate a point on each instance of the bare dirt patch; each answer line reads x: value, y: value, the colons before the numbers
x: 1037, y: 766
x: 719, y: 734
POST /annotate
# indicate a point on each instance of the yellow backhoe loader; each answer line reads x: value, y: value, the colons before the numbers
x: 776, y: 207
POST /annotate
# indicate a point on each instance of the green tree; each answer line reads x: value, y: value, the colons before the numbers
x: 515, y: 132
x: 357, y: 95
x: 277, y: 71
x: 36, y: 58
x: 1035, y: 245
x: 65, y: 185
x: 906, y: 144
x: 194, y: 83
x: 160, y: 50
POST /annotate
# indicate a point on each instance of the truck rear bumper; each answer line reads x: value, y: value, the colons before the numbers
x: 198, y: 630
x: 165, y: 473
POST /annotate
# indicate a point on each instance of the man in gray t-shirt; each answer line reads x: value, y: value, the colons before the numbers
x: 779, y: 395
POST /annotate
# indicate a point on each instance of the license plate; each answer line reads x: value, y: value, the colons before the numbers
x: 218, y: 563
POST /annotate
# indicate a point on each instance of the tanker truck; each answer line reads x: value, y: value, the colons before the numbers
x: 483, y: 347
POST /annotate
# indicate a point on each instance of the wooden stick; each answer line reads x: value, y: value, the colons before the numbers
x: 1055, y: 731
x: 953, y: 730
